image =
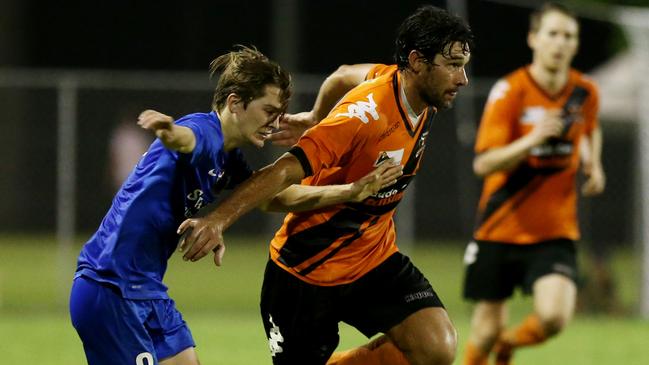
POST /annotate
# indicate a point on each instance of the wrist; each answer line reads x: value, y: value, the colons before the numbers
x: 350, y: 191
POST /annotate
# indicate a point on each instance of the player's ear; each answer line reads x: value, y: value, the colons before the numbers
x: 234, y: 103
x: 416, y: 61
x: 531, y: 39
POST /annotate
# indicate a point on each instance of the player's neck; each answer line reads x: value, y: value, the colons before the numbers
x: 410, y: 91
x: 550, y: 80
x: 231, y: 135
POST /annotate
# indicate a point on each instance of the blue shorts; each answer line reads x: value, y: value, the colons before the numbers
x: 115, y: 330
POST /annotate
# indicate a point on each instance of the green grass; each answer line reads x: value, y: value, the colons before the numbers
x: 221, y: 307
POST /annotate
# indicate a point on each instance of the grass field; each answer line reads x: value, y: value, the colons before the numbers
x: 220, y: 306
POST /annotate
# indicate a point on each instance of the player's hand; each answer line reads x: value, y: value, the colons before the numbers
x: 199, y: 237
x: 292, y: 127
x: 551, y: 125
x: 156, y: 122
x: 384, y: 175
x: 596, y: 179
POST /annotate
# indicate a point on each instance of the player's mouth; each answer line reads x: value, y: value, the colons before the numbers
x: 265, y: 132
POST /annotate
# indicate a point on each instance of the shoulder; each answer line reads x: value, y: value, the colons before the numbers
x: 380, y: 69
x: 195, y: 117
x: 507, y: 86
x: 585, y: 81
x: 366, y: 103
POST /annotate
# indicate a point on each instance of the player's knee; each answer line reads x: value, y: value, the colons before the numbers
x: 553, y: 323
x: 485, y: 336
x: 440, y: 349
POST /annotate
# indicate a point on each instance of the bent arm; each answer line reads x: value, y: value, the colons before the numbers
x: 503, y: 158
x: 507, y: 157
x: 336, y: 85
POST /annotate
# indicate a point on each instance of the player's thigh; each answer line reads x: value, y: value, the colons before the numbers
x: 386, y: 296
x: 426, y: 335
x: 111, y: 332
x: 490, y: 273
x: 555, y: 297
x: 298, y: 319
x: 169, y: 332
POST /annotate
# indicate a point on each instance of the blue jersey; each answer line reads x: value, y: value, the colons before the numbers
x: 138, y: 234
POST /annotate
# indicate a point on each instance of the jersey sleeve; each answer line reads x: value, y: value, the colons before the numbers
x: 498, y: 119
x: 207, y: 141
x: 332, y: 141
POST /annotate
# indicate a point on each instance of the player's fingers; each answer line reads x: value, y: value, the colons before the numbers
x: 192, y: 242
x: 201, y: 246
x: 219, y: 251
x: 144, y: 114
x: 181, y: 244
x: 279, y: 136
x: 588, y: 188
x: 186, y: 224
x: 393, y: 171
x: 204, y: 245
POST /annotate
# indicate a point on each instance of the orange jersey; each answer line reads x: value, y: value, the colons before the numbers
x: 341, y: 243
x: 380, y: 69
x: 536, y: 201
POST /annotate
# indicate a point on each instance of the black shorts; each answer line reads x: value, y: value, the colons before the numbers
x: 301, y: 319
x: 495, y: 269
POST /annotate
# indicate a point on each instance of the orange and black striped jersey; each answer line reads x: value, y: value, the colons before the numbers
x: 341, y: 243
x: 536, y: 201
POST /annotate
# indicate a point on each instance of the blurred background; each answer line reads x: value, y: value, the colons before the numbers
x: 74, y: 75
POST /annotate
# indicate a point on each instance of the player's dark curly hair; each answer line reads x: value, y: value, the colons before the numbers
x: 245, y: 72
x: 431, y: 30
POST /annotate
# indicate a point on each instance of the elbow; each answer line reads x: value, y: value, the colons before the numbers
x: 343, y: 76
x: 479, y: 167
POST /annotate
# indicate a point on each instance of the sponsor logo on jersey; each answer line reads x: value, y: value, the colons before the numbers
x: 396, y: 155
x: 361, y: 110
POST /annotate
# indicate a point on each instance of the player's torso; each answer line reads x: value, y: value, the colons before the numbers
x: 339, y: 244
x: 138, y: 234
x: 537, y: 200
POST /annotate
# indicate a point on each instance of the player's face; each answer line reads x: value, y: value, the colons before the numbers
x: 261, y: 116
x: 555, y: 43
x: 444, y: 76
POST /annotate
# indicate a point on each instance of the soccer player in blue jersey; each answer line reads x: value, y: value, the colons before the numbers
x: 119, y: 304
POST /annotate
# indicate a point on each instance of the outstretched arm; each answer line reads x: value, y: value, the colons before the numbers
x: 334, y: 87
x: 205, y: 234
x: 298, y: 198
x: 173, y: 136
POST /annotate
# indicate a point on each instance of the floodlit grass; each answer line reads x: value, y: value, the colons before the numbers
x: 221, y: 307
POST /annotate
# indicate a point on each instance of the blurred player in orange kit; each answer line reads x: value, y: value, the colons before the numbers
x: 528, y: 151
x: 342, y: 263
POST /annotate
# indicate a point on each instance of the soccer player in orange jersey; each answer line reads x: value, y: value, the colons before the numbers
x: 341, y: 263
x: 528, y: 151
